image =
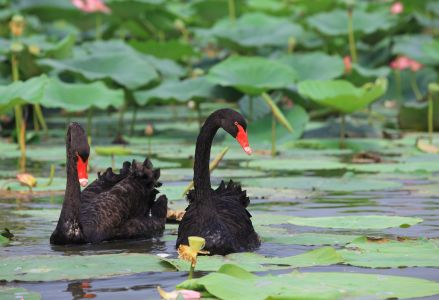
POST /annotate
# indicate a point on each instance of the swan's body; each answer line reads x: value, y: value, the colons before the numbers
x: 219, y: 216
x: 114, y: 206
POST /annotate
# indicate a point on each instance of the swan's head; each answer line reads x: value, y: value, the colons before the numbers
x: 79, y: 150
x: 235, y: 124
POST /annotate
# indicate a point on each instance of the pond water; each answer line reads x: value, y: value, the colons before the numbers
x: 409, y: 195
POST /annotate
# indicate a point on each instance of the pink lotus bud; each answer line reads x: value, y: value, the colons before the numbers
x: 415, y: 66
x: 187, y: 294
x: 401, y: 63
x: 397, y: 8
x: 91, y: 6
x: 347, y: 64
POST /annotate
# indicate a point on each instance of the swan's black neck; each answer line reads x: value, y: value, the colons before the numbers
x: 202, y: 153
x: 70, y: 208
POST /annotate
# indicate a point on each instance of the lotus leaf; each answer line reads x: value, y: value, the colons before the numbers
x: 314, y: 65
x: 251, y: 75
x: 179, y: 91
x: 72, y: 267
x: 255, y: 262
x: 356, y: 222
x: 384, y: 253
x: 18, y: 293
x: 341, y: 94
x: 257, y: 30
x: 336, y: 21
x: 233, y: 282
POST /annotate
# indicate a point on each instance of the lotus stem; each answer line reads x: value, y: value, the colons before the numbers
x: 398, y: 86
x: 277, y: 112
x: 98, y: 27
x: 35, y: 120
x: 342, y: 131
x: 191, y: 272
x: 113, y: 163
x: 351, y: 36
x: 20, y: 126
x: 133, y: 120
x: 415, y: 86
x: 40, y: 118
x: 120, y: 123
x: 232, y: 11
x: 149, y: 146
x: 89, y: 121
x: 51, y: 175
x: 212, y: 166
x: 273, y: 136
x: 430, y: 117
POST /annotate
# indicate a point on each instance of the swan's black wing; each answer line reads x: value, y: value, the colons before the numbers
x: 103, y: 217
x: 222, y: 220
x: 106, y: 181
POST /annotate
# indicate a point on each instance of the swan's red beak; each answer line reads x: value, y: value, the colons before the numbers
x: 82, y: 171
x: 242, y: 139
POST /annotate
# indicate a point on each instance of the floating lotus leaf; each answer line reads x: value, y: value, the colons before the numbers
x: 233, y: 282
x: 18, y: 293
x: 415, y: 46
x: 341, y: 94
x: 3, y: 241
x: 179, y: 91
x: 310, y: 239
x: 255, y: 262
x: 349, y: 184
x: 73, y: 267
x: 172, y: 49
x: 384, y: 253
x: 336, y: 21
x: 295, y: 164
x: 314, y: 65
x: 356, y: 222
x: 251, y: 75
x: 51, y: 92
x: 112, y: 150
x: 257, y: 30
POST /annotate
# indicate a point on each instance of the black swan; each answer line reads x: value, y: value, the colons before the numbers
x: 219, y: 216
x: 114, y: 206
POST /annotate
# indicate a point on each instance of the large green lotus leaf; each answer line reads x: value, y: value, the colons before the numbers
x: 172, y: 49
x: 415, y: 46
x: 233, y: 282
x: 257, y: 30
x: 406, y: 167
x: 3, y: 240
x: 18, y: 293
x: 58, y: 184
x: 355, y: 222
x: 366, y: 72
x: 348, y: 184
x: 260, y: 130
x: 78, y: 97
x: 111, y: 59
x: 50, y: 92
x: 166, y: 67
x: 73, y: 267
x: 341, y: 94
x: 355, y: 144
x: 308, y: 66
x: 383, y: 253
x: 54, y: 154
x: 255, y: 262
x: 251, y: 75
x: 295, y: 164
x: 309, y: 239
x: 336, y: 21
x: 431, y: 50
x: 176, y: 91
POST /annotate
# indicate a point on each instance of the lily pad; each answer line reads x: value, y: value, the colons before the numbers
x: 295, y: 165
x: 233, y: 282
x: 257, y: 30
x: 348, y: 184
x: 341, y: 94
x: 3, y: 240
x: 255, y: 262
x: 310, y: 239
x: 18, y: 293
x: 356, y: 222
x: 308, y: 66
x: 251, y: 75
x: 383, y: 253
x: 72, y: 267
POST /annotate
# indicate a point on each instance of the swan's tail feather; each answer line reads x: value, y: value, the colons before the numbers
x: 160, y: 207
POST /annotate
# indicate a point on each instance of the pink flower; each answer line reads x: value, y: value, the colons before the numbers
x: 186, y: 294
x: 403, y: 62
x: 397, y: 8
x: 347, y: 64
x: 91, y: 6
x: 415, y: 66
